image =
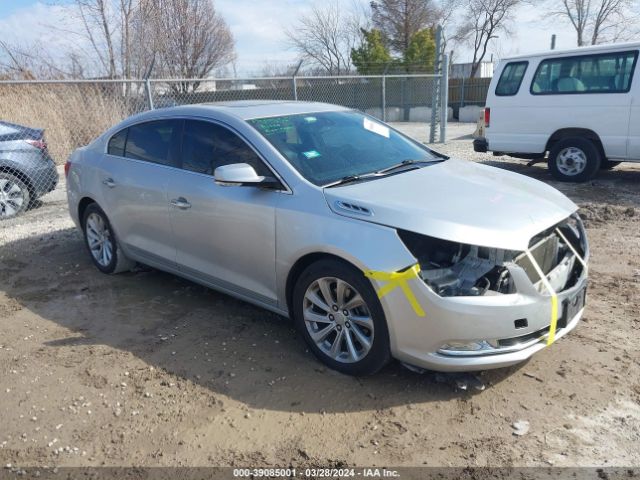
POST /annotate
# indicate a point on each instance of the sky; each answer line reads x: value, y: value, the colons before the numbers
x: 258, y: 27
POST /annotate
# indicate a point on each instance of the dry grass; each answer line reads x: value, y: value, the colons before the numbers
x: 71, y: 114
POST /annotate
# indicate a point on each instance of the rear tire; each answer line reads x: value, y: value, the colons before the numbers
x: 574, y: 159
x: 349, y: 327
x: 102, y: 243
x: 14, y: 196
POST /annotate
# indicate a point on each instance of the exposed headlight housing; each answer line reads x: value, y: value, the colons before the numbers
x: 456, y: 269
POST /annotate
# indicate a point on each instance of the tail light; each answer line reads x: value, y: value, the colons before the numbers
x: 41, y: 144
x: 67, y: 167
x: 487, y: 117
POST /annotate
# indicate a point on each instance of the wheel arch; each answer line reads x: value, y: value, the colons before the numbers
x: 301, y: 264
x: 576, y: 132
x: 21, y: 176
x: 82, y: 207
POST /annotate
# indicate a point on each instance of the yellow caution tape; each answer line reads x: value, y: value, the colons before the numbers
x: 554, y: 320
x: 398, y: 279
x: 554, y: 299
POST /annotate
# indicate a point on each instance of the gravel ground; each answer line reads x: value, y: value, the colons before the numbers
x: 148, y: 369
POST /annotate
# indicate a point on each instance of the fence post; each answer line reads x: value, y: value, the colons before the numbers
x: 434, y: 87
x: 147, y: 84
x: 462, y: 93
x: 384, y: 98
x: 444, y: 92
x: 295, y: 80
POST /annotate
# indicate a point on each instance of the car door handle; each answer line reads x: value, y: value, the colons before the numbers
x: 180, y: 203
x: 109, y: 182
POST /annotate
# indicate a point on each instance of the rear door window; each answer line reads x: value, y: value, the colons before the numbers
x: 511, y: 78
x: 600, y: 73
x: 117, y: 142
x: 207, y: 146
x: 157, y: 142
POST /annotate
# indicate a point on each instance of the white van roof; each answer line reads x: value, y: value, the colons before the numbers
x: 611, y: 47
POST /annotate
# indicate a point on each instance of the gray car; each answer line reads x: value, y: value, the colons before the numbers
x: 375, y: 245
x: 27, y: 171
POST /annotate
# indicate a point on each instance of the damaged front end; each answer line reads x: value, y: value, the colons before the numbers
x: 453, y: 269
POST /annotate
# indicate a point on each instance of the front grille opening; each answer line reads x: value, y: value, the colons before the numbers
x: 549, y: 250
x: 513, y: 341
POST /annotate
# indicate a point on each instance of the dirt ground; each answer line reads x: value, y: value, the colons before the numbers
x: 148, y: 369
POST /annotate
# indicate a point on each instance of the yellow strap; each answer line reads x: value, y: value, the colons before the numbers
x: 580, y: 259
x: 398, y: 279
x: 554, y: 298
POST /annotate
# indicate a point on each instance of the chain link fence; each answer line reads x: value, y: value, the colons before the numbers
x: 43, y: 122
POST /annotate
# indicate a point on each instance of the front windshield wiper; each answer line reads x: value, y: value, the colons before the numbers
x: 351, y: 179
x: 402, y: 164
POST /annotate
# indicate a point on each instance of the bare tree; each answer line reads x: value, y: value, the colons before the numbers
x: 597, y: 21
x: 36, y: 61
x: 185, y: 38
x: 400, y: 20
x: 324, y: 38
x: 96, y: 16
x: 485, y: 19
x: 122, y: 38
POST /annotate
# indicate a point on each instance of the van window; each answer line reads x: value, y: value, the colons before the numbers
x: 511, y: 78
x: 116, y: 143
x: 154, y: 142
x: 601, y: 73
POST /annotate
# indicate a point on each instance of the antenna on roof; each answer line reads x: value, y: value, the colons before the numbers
x: 553, y: 41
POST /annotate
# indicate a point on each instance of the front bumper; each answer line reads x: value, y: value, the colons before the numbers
x: 514, y: 326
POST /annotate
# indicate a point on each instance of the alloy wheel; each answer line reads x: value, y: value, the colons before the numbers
x: 338, y: 320
x: 12, y: 198
x: 99, y: 239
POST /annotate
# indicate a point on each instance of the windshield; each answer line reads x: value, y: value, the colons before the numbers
x: 326, y: 147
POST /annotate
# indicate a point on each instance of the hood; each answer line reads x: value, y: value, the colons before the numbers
x: 457, y: 200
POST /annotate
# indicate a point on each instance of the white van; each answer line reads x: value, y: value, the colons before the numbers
x: 581, y: 106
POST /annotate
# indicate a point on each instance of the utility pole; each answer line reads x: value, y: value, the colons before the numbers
x: 553, y: 41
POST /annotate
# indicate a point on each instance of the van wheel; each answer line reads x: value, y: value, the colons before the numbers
x: 574, y: 159
x: 609, y: 165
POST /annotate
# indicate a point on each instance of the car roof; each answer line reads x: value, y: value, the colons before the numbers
x: 248, y: 109
x: 612, y: 47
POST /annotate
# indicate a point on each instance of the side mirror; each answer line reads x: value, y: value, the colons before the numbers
x: 242, y: 175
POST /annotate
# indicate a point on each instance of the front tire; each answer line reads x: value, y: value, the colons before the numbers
x: 102, y: 243
x: 340, y: 317
x: 574, y: 159
x: 14, y: 196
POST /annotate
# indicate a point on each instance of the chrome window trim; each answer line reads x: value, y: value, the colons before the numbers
x: 287, y: 189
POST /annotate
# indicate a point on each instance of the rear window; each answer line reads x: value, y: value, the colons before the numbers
x: 116, y: 143
x: 155, y: 142
x: 511, y: 78
x: 601, y: 73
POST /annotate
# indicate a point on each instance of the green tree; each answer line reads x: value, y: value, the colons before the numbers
x: 421, y: 52
x: 372, y: 57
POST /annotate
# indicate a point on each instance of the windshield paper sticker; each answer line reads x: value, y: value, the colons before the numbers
x: 375, y: 127
x: 311, y: 154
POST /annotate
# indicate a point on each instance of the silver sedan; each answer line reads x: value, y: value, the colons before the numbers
x: 375, y: 245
